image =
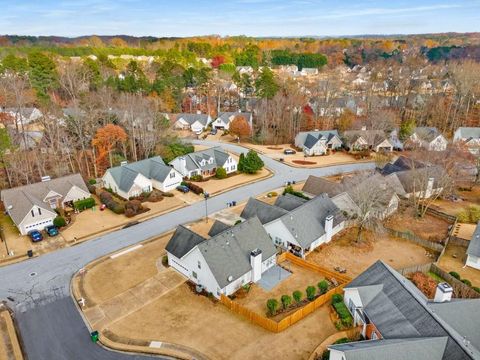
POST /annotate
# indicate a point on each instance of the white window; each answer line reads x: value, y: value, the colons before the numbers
x: 33, y: 214
x: 194, y: 274
x: 199, y: 265
x: 172, y: 174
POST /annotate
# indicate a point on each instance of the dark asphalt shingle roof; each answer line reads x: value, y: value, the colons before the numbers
x: 263, y: 211
x: 399, y: 310
x: 395, y: 349
x: 228, y: 253
x: 316, y: 185
x: 152, y: 168
x: 218, y: 227
x: 182, y: 241
x: 192, y: 118
x: 193, y: 160
x: 289, y: 202
x: 310, y: 138
x: 225, y: 116
x: 474, y: 245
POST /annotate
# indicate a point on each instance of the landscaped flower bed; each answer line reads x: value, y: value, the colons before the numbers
x: 304, y: 162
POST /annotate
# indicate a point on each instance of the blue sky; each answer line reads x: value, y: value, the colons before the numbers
x: 236, y: 17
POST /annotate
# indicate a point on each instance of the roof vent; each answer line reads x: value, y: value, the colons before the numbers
x: 45, y: 178
x: 123, y: 163
x: 230, y: 278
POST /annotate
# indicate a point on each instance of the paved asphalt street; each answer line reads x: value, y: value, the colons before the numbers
x: 50, y: 325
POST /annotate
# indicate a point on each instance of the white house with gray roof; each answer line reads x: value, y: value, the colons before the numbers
x: 32, y: 207
x: 317, y: 142
x: 400, y: 323
x: 296, y: 225
x: 25, y: 115
x: 224, y: 119
x: 195, y: 122
x: 429, y: 138
x: 470, y: 137
x: 473, y: 250
x: 129, y: 180
x: 222, y: 264
x: 204, y: 162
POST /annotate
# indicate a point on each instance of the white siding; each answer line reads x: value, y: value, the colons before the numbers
x: 109, y: 183
x: 74, y: 194
x: 173, y: 179
x: 38, y: 221
x: 473, y: 261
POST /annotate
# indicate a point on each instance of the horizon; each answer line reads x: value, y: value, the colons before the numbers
x: 251, y: 18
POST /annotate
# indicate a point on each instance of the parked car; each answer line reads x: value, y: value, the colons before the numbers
x: 183, y: 188
x: 289, y: 152
x: 213, y: 131
x: 51, y: 230
x: 35, y: 235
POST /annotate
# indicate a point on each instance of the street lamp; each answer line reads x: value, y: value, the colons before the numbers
x: 206, y: 196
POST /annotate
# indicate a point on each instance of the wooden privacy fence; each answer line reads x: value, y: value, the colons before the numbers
x: 438, y: 213
x: 414, y: 238
x: 460, y: 289
x: 454, y: 240
x: 272, y: 325
x: 300, y: 313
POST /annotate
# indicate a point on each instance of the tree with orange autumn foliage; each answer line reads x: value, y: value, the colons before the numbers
x: 105, y: 140
x: 240, y: 127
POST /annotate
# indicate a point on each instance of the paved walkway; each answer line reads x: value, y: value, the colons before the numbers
x: 50, y: 324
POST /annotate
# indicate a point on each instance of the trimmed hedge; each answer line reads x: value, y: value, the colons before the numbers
x: 107, y: 199
x: 455, y: 274
x: 336, y: 298
x: 221, y: 173
x: 84, y: 204
x: 195, y: 188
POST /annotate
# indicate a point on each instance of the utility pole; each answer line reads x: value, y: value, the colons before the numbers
x: 206, y: 196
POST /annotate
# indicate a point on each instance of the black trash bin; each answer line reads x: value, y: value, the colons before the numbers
x: 30, y: 253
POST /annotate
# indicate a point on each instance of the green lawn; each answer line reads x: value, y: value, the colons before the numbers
x: 435, y: 277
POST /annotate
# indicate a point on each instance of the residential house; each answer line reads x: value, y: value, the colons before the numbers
x: 469, y: 137
x: 32, y: 207
x: 225, y: 118
x: 129, y: 180
x: 345, y: 195
x: 204, y: 162
x: 375, y: 140
x: 317, y: 142
x: 428, y: 138
x: 302, y: 229
x: 399, y: 322
x: 194, y: 122
x: 424, y: 182
x: 401, y: 163
x: 473, y: 250
x: 222, y: 264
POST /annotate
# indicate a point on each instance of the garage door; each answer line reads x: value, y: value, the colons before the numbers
x: 39, y: 225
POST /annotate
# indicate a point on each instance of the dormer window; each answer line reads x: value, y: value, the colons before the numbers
x: 33, y: 214
x: 39, y: 211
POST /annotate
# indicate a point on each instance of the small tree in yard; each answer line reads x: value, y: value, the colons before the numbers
x: 251, y: 163
x: 297, y: 296
x: 323, y: 286
x: 310, y: 292
x: 272, y: 306
x: 221, y: 173
x: 286, y: 301
x: 59, y: 221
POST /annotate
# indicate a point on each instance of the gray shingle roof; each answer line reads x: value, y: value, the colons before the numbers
x: 474, y: 245
x: 225, y: 116
x: 306, y: 223
x: 412, y: 179
x: 228, y: 253
x: 152, y: 168
x: 397, y: 349
x: 310, y: 138
x: 316, y: 185
x: 22, y: 198
x: 193, y: 160
x: 218, y: 227
x: 400, y: 310
x: 400, y: 164
x: 469, y: 132
x: 427, y: 133
x: 372, y: 137
x: 289, y: 202
x: 192, y: 118
x: 263, y: 211
x: 182, y: 241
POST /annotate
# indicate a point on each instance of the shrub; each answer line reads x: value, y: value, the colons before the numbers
x: 467, y: 282
x: 272, y: 194
x: 238, y: 222
x: 165, y: 260
x: 221, y: 173
x: 133, y: 207
x: 470, y: 215
x: 297, y: 296
x: 84, y: 204
x: 167, y: 194
x: 105, y: 197
x: 272, y: 306
x: 92, y: 189
x: 195, y: 188
x: 286, y: 301
x: 196, y: 178
x: 342, y: 311
x: 323, y: 286
x: 476, y: 288
x: 337, y: 298
x: 59, y: 221
x: 129, y: 213
x: 92, y: 181
x: 250, y: 163
x: 455, y: 274
x: 289, y: 190
x: 155, y: 196
x: 310, y: 292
